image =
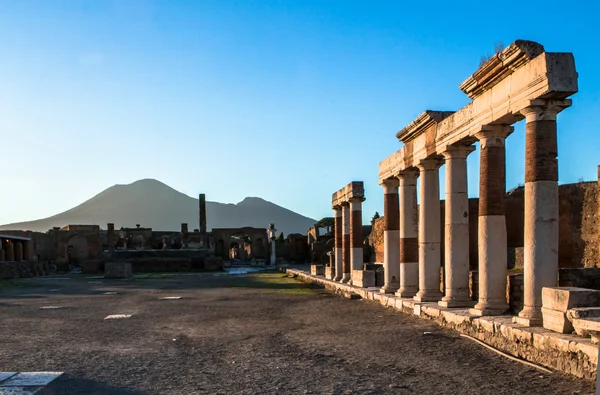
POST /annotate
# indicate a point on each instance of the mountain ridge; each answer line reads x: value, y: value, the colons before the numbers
x: 154, y: 204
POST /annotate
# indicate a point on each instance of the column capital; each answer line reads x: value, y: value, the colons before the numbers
x: 431, y: 163
x: 337, y: 208
x: 458, y: 151
x: 390, y: 185
x: 493, y: 135
x: 544, y: 109
x: 354, y: 200
x: 345, y: 204
x: 409, y: 176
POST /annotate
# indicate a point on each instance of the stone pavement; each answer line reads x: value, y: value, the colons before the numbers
x: 25, y: 383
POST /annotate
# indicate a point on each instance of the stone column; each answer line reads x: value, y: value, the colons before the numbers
x: 338, y: 227
x: 10, y: 251
x: 409, y: 234
x: 18, y: 251
x: 540, y: 252
x: 457, y: 228
x: 356, y: 249
x: 272, y: 236
x: 492, y: 224
x: 110, y: 236
x: 429, y: 231
x: 391, y: 236
x: 346, y: 242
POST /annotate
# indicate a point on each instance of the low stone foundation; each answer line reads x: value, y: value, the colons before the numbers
x: 13, y: 269
x: 317, y: 270
x: 118, y: 270
x: 363, y: 278
x: 569, y: 354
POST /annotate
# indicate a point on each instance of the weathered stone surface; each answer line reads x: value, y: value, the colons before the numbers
x: 588, y: 326
x: 330, y: 272
x: 363, y: 278
x: 317, y: 270
x: 118, y: 270
x: 583, y: 312
x: 565, y: 298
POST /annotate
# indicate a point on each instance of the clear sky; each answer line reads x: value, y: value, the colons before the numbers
x: 286, y: 100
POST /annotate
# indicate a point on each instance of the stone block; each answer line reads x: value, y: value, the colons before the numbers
x: 583, y: 312
x: 330, y: 272
x: 556, y: 301
x: 317, y: 270
x: 565, y: 298
x: 588, y: 326
x: 363, y: 278
x: 118, y: 270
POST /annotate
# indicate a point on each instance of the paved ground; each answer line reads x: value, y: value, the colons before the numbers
x: 262, y: 334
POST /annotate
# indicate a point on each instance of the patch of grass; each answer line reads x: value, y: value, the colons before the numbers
x: 272, y: 282
x: 153, y: 276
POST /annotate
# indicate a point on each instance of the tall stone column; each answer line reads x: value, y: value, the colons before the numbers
x: 409, y: 234
x: 346, y: 270
x: 429, y: 231
x: 273, y: 238
x: 457, y: 228
x: 391, y: 236
x: 18, y: 251
x: 110, y: 236
x: 492, y: 223
x: 10, y: 251
x: 356, y: 248
x: 540, y: 252
x: 338, y: 227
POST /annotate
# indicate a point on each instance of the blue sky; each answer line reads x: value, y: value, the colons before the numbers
x: 286, y: 100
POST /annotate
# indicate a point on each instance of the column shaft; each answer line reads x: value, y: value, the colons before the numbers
x: 429, y: 232
x: 391, y: 237
x: 492, y: 224
x: 346, y: 243
x: 457, y: 228
x: 10, y: 251
x: 409, y: 234
x: 338, y: 237
x: 540, y: 250
x: 356, y: 248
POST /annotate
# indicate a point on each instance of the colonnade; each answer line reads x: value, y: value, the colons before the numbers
x: 348, y: 248
x: 13, y: 251
x: 412, y: 264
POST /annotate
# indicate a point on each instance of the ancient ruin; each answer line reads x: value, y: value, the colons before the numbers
x: 521, y: 82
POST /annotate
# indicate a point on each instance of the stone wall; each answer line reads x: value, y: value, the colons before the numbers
x: 376, y: 240
x: 10, y: 270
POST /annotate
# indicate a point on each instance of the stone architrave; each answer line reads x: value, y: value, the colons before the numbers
x: 409, y: 234
x: 391, y: 236
x: 429, y: 231
x: 338, y: 241
x: 456, y: 228
x: 356, y: 249
x: 540, y: 252
x: 492, y: 222
x: 346, y: 269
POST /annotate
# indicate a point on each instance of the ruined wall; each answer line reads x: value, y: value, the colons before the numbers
x: 578, y: 226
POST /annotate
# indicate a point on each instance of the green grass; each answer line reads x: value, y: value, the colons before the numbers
x: 273, y: 283
x: 8, y: 285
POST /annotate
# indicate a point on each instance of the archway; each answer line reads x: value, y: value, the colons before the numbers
x: 240, y: 247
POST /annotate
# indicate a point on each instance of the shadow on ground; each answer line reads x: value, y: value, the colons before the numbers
x: 68, y: 384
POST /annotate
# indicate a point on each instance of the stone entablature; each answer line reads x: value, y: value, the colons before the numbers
x: 500, y: 96
x: 354, y: 190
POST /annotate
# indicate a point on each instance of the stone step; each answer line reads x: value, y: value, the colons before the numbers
x: 588, y: 327
x: 583, y: 312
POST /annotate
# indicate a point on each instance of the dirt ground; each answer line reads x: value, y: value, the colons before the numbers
x: 254, y: 334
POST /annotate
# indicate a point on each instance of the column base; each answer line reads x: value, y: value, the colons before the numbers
x: 428, y: 296
x: 483, y: 309
x: 406, y: 292
x: 389, y: 289
x: 337, y: 279
x: 529, y: 317
x: 452, y: 303
x: 345, y: 278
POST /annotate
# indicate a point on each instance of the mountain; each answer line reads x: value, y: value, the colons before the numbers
x: 153, y: 204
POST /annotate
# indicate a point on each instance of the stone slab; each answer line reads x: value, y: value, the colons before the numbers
x: 317, y: 270
x: 170, y: 298
x: 363, y: 278
x: 20, y: 390
x: 556, y: 321
x: 6, y: 375
x: 588, y: 326
x: 30, y: 379
x: 565, y: 298
x: 583, y: 312
x: 117, y: 316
